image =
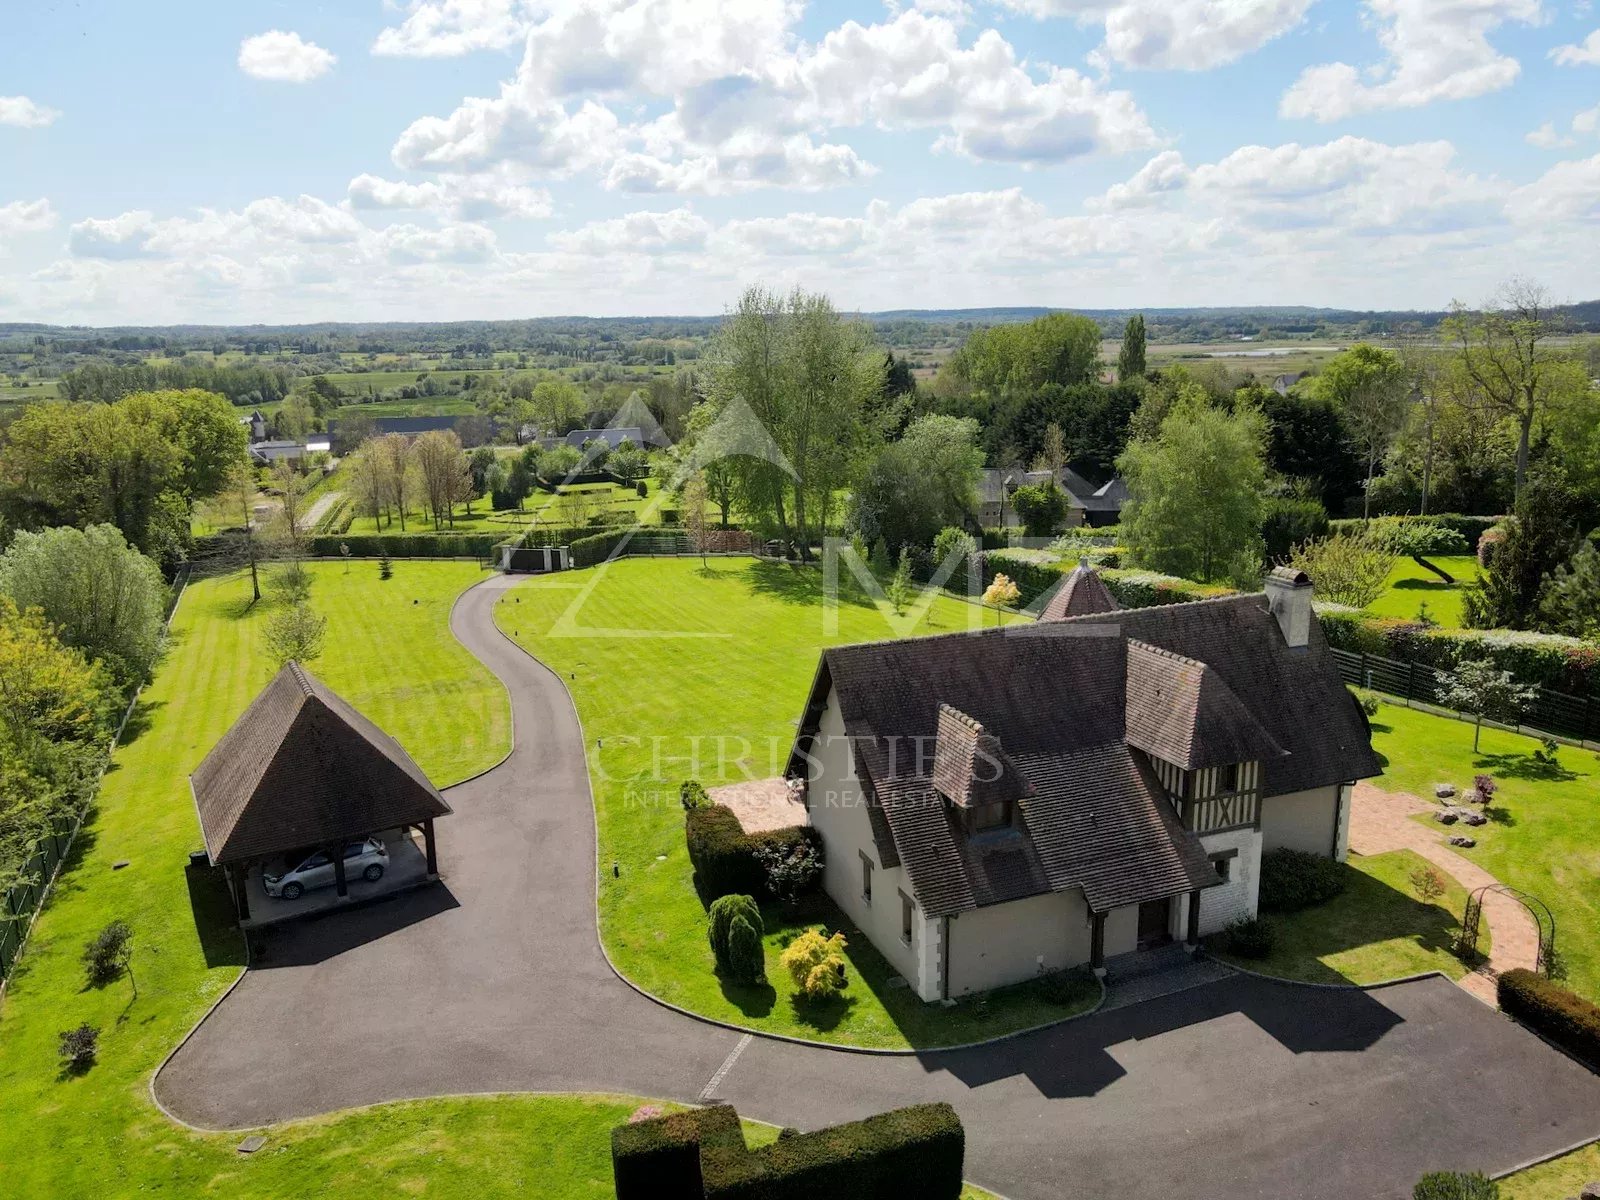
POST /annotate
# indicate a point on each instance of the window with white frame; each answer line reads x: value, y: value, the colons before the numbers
x: 866, y: 878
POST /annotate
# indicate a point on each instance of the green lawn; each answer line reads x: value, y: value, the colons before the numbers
x: 1554, y: 1180
x: 544, y: 508
x: 389, y: 651
x: 660, y: 653
x: 1376, y: 929
x: 1541, y: 836
x: 1412, y: 585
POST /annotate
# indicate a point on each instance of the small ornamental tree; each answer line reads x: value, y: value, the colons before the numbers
x: 719, y: 928
x: 1479, y: 688
x: 1002, y: 592
x: 294, y: 634
x: 385, y: 566
x: 1348, y: 568
x: 79, y: 1047
x: 816, y: 964
x: 109, y: 953
x: 901, y: 586
x: 1427, y: 883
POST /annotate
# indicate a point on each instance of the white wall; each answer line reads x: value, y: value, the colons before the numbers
x: 1301, y: 820
x: 1228, y: 902
x: 1122, y: 930
x: 836, y: 803
x: 1003, y: 943
x: 1346, y: 798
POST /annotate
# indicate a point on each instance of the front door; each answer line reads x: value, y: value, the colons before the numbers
x: 1154, y: 922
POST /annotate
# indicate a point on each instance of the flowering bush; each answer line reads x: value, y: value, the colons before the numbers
x: 816, y: 964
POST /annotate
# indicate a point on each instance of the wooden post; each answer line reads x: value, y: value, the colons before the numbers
x: 1097, y: 944
x: 1194, y: 917
x: 430, y: 847
x: 340, y: 884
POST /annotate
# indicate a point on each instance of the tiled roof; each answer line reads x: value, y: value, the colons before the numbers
x: 969, y: 766
x: 1081, y: 593
x: 302, y: 767
x: 1057, y: 695
x: 1181, y: 710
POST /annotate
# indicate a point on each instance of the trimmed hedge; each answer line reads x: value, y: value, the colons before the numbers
x: 1294, y: 879
x: 407, y: 545
x: 724, y: 855
x: 1547, y: 660
x: 1546, y: 1007
x: 1132, y: 589
x: 916, y: 1151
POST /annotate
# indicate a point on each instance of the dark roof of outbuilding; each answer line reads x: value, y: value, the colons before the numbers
x: 302, y: 767
x: 1071, y: 700
x: 1082, y: 592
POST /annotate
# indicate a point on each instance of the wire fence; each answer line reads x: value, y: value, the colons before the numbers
x: 23, y: 902
x: 1553, y: 713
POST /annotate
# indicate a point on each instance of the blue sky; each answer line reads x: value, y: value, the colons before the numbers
x: 499, y: 158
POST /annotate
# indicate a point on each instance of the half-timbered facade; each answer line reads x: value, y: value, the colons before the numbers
x: 1020, y: 800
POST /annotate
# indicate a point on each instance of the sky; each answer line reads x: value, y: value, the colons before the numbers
x: 289, y: 161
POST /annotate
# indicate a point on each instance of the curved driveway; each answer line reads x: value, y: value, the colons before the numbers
x: 494, y: 981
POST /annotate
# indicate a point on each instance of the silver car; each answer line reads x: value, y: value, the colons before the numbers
x: 362, y: 860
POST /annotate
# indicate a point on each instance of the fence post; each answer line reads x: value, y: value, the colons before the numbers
x: 1411, y: 680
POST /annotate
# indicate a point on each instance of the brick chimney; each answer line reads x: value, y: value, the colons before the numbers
x: 1289, y: 599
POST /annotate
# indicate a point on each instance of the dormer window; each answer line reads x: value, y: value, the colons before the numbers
x: 973, y: 774
x: 983, y: 817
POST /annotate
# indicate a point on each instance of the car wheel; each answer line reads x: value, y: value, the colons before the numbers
x: 373, y: 873
x: 292, y: 891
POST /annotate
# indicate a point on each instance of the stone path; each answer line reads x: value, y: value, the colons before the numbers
x: 309, y: 518
x: 1381, y: 821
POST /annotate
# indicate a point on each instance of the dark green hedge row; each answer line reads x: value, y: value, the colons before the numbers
x: 724, y: 855
x: 1538, y: 659
x: 1564, y: 1017
x: 407, y: 545
x: 1471, y: 528
x: 1132, y: 589
x: 916, y: 1151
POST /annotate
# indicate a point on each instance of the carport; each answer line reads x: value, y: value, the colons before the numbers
x: 301, y: 771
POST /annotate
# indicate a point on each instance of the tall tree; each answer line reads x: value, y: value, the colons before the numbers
x: 1130, y: 359
x: 239, y: 499
x: 918, y: 485
x: 392, y: 457
x: 100, y: 593
x: 1371, y: 391
x: 445, y: 473
x: 1195, y: 493
x: 1511, y: 353
x: 1538, y: 537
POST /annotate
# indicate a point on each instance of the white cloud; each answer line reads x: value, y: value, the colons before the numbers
x: 465, y: 197
x: 1433, y: 50
x: 284, y: 58
x: 1187, y: 35
x: 741, y: 164
x: 1585, y: 54
x: 452, y: 244
x: 1586, y: 121
x: 25, y: 113
x: 1546, y: 138
x: 1567, y: 192
x: 26, y: 216
x: 485, y: 133
x: 447, y: 28
x: 125, y: 236
x: 640, y: 232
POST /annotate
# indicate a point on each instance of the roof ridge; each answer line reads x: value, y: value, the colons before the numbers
x: 302, y: 678
x: 1122, y: 612
x: 966, y: 719
x: 1172, y: 654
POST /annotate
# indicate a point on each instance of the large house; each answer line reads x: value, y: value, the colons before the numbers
x: 1087, y: 503
x: 1004, y: 803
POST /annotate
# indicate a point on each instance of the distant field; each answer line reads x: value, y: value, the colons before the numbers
x: 1263, y: 358
x: 46, y: 389
x: 427, y: 406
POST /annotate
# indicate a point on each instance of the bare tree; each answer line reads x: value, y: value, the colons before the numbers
x: 393, y: 456
x: 239, y: 496
x: 365, y: 480
x: 1509, y: 353
x: 443, y: 467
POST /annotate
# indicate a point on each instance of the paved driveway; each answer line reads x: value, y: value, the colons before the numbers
x: 495, y: 981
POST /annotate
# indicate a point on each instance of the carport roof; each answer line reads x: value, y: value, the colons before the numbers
x: 301, y: 767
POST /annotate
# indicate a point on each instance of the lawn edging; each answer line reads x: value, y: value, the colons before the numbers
x: 843, y: 1047
x: 1328, y: 987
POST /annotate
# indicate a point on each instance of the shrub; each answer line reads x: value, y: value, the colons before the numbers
x: 79, y: 1047
x: 747, y: 960
x: 1420, y: 538
x: 692, y: 795
x: 385, y: 567
x: 1427, y: 883
x: 725, y: 857
x: 793, y: 869
x: 954, y: 547
x: 1370, y: 702
x: 1252, y: 937
x: 816, y: 964
x: 725, y: 910
x: 1348, y: 568
x: 1290, y: 523
x: 107, y: 955
x: 1564, y: 1017
x: 1453, y: 1185
x: 1296, y: 879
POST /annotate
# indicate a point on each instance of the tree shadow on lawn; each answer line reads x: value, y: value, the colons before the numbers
x: 1367, y: 912
x: 791, y: 583
x: 139, y: 722
x: 1524, y: 766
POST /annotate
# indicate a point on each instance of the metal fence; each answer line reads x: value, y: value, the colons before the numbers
x: 23, y: 902
x: 1576, y: 717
